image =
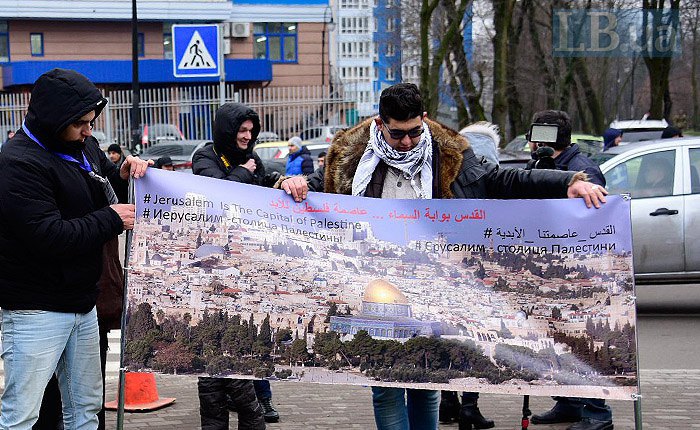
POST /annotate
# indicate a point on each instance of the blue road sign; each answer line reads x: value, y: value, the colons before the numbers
x: 196, y: 50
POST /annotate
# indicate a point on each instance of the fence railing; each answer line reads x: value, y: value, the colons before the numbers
x: 285, y: 111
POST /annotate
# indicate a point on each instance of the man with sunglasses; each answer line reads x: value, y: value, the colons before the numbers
x: 59, y: 208
x: 402, y: 154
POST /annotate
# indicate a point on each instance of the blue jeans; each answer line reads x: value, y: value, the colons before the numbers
x: 35, y: 344
x: 405, y: 409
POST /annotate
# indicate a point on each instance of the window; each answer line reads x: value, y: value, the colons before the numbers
x: 141, y: 45
x: 4, y: 42
x: 390, y: 74
x: 695, y: 170
x: 36, y: 41
x: 167, y: 41
x: 390, y: 50
x: 390, y: 25
x: 649, y: 175
x: 275, y: 41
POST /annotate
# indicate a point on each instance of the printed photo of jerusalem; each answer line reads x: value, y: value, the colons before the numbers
x: 242, y: 299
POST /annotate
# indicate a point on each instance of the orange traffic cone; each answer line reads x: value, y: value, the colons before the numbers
x: 140, y: 394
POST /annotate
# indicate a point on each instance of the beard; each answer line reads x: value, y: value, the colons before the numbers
x: 75, y: 145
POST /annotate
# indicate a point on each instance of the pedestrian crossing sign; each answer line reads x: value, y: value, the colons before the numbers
x: 196, y: 50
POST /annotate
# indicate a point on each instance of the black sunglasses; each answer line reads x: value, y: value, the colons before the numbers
x: 399, y: 134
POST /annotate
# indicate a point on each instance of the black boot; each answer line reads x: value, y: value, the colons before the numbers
x: 449, y: 407
x: 269, y: 412
x: 470, y: 415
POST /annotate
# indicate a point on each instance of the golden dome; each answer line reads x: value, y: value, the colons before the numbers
x: 380, y: 291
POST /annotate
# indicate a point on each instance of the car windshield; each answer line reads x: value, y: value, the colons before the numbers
x: 518, y: 144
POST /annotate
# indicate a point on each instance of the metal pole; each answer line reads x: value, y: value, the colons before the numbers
x: 525, y: 421
x: 638, y: 412
x: 323, y: 52
x: 135, y: 97
x: 222, y: 68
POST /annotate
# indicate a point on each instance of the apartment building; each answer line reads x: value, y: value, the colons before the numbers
x: 269, y: 43
x: 367, y: 49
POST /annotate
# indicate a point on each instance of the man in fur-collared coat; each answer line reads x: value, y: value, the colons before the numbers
x: 402, y: 154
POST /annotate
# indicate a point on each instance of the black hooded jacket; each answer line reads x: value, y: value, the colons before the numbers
x: 223, y: 159
x: 54, y: 218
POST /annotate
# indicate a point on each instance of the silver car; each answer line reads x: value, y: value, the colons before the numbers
x: 663, y: 178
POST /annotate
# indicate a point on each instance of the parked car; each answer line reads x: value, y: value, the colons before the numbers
x: 154, y: 133
x: 637, y: 130
x: 315, y: 149
x: 517, y: 151
x: 663, y: 179
x: 180, y: 152
x: 321, y: 133
x: 273, y: 155
x: 267, y: 136
x: 102, y: 139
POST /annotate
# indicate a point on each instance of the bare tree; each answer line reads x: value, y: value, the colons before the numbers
x: 659, y: 67
x: 432, y: 60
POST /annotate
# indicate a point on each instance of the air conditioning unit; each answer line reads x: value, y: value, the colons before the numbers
x: 240, y: 29
x: 226, y: 29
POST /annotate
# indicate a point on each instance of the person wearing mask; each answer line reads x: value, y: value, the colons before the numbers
x: 59, y: 209
x: 611, y: 138
x: 299, y: 159
x: 402, y: 154
x: 231, y: 157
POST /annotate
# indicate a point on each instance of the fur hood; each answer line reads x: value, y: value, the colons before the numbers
x: 348, y: 146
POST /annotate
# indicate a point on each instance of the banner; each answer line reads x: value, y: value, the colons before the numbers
x: 503, y: 296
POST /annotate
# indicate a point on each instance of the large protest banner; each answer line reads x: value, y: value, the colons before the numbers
x: 522, y: 296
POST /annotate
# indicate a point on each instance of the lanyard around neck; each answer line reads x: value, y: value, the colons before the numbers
x: 83, y: 165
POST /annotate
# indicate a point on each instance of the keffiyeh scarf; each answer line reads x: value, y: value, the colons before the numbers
x: 418, y: 159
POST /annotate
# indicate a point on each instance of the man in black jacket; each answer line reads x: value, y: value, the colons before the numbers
x: 231, y: 157
x: 566, y: 156
x: 58, y: 210
x: 403, y: 154
x: 587, y: 414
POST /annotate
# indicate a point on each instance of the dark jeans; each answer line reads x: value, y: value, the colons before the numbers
x: 262, y: 389
x: 590, y: 408
x: 213, y: 404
